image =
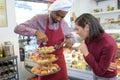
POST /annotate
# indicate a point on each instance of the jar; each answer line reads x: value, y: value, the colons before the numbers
x: 8, y: 48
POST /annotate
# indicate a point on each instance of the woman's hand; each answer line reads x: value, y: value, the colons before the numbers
x: 112, y: 66
x: 84, y: 49
x: 41, y: 36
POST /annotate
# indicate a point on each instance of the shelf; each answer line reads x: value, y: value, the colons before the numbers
x: 8, y: 58
x: 112, y: 30
x: 107, y: 12
x: 9, y: 68
x: 8, y: 77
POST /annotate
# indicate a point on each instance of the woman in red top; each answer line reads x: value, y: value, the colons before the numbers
x: 99, y: 48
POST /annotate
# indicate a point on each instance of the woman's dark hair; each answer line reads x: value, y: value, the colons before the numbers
x: 95, y: 29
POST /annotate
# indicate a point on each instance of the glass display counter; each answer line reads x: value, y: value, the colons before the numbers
x: 77, y: 74
x: 77, y: 68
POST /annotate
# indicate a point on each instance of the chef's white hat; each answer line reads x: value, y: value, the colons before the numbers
x: 63, y: 5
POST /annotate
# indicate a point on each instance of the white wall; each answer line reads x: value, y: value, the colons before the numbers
x: 82, y: 6
x: 87, y: 6
x: 7, y: 34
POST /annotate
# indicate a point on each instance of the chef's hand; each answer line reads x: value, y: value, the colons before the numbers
x: 67, y: 43
x: 112, y: 66
x: 83, y: 48
x: 41, y: 36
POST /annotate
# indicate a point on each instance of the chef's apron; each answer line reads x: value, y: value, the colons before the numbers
x: 56, y: 37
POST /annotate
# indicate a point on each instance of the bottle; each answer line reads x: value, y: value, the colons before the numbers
x: 108, y: 8
x: 10, y: 63
x: 1, y: 50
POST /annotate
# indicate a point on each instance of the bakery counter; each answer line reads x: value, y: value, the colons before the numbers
x: 78, y: 68
x: 77, y: 74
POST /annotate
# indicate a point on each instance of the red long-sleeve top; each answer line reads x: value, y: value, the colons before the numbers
x: 102, y: 51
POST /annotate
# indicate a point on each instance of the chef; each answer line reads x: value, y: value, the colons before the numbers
x: 53, y: 30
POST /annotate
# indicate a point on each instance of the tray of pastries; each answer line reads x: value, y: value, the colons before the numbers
x: 46, y: 49
x: 47, y: 69
x: 47, y: 59
x: 44, y: 59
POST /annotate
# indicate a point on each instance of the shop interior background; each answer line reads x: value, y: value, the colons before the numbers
x: 78, y: 8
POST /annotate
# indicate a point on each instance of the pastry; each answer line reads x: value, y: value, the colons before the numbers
x: 35, y: 59
x: 37, y: 71
x: 43, y: 71
x: 42, y: 61
x: 45, y: 49
x: 34, y: 69
x: 52, y: 57
x: 53, y: 68
x: 56, y: 66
